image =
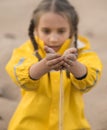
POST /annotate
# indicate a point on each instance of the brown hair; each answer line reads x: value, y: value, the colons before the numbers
x: 58, y: 6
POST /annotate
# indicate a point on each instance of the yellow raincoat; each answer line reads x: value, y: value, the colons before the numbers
x: 39, y: 106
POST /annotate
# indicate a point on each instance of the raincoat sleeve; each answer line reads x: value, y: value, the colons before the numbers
x: 94, y: 68
x: 18, y: 68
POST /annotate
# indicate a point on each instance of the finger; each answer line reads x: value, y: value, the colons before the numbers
x: 70, y: 50
x: 69, y: 63
x: 51, y: 56
x: 55, y: 62
x: 67, y: 66
x: 48, y: 49
x: 70, y: 57
x: 73, y: 50
x: 58, y: 66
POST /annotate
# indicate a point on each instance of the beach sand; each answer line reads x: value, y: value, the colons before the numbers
x: 14, y: 20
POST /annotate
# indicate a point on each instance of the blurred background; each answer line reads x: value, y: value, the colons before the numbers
x: 14, y: 21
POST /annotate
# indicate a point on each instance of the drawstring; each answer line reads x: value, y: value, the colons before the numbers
x: 61, y: 103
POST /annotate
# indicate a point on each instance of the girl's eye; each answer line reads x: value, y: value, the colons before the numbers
x: 46, y: 31
x: 61, y: 31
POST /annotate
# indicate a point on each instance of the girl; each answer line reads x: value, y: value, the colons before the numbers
x: 54, y: 69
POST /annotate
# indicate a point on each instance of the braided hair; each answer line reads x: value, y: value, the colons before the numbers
x: 62, y: 7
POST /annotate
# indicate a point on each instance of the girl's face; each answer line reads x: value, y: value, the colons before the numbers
x: 53, y: 29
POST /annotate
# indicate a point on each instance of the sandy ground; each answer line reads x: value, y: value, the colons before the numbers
x: 14, y: 21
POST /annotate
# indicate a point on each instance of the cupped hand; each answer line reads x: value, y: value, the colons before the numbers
x: 53, y: 60
x: 69, y: 57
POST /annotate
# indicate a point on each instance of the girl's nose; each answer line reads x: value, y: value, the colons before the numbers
x: 53, y: 38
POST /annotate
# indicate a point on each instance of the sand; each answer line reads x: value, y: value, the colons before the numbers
x: 14, y: 20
